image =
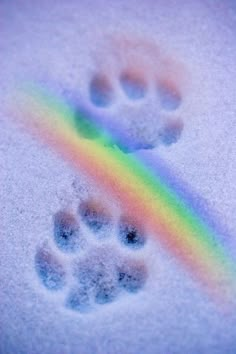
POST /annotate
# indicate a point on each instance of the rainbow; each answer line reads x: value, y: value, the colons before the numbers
x: 142, y: 192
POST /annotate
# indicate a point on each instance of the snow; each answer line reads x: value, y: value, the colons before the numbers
x: 58, y: 43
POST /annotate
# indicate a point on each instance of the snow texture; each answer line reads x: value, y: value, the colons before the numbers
x: 73, y: 280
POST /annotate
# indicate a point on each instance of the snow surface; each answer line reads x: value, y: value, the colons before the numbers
x: 55, y: 42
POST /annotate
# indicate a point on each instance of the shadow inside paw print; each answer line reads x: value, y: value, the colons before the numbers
x: 131, y: 232
x: 84, y: 126
x: 169, y: 96
x: 133, y: 85
x: 99, y: 274
x: 132, y: 275
x: 101, y: 279
x: 49, y: 269
x: 66, y: 232
x: 94, y: 215
x: 78, y: 299
x: 171, y: 132
x: 101, y: 91
x: 96, y: 274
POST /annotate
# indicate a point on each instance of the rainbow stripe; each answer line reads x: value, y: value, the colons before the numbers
x: 142, y: 192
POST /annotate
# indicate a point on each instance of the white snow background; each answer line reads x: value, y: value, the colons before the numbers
x: 53, y: 40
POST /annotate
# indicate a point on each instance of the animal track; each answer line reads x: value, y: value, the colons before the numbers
x: 138, y: 85
x: 131, y: 233
x: 101, y: 92
x: 142, y: 89
x: 94, y: 215
x: 78, y: 300
x: 170, y: 132
x: 49, y: 269
x: 96, y: 274
x: 132, y: 275
x: 169, y: 96
x: 134, y: 86
x: 101, y: 271
x: 66, y: 231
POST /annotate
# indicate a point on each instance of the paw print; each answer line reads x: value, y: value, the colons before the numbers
x: 94, y: 257
x: 137, y: 85
x: 49, y: 269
